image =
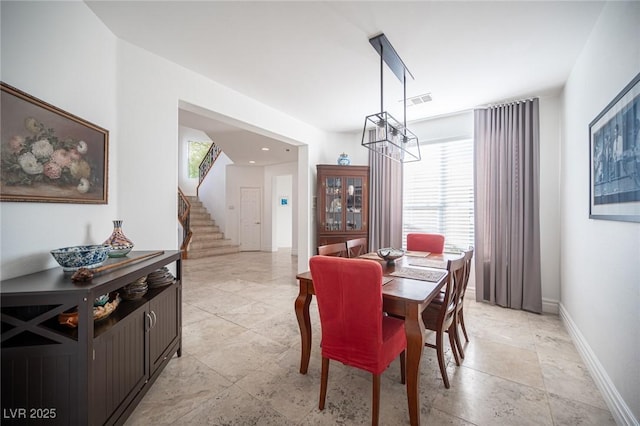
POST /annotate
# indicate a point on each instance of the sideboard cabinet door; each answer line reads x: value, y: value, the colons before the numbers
x: 164, y: 331
x: 120, y: 367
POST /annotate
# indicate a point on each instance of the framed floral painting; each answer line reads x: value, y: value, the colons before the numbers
x: 50, y: 155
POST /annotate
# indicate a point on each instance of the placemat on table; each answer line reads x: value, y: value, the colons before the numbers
x: 417, y: 253
x: 431, y: 263
x: 419, y: 274
x: 386, y: 280
x: 372, y: 256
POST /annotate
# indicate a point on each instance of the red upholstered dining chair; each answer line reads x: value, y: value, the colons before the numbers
x: 335, y: 249
x: 354, y: 329
x: 440, y: 317
x: 433, y: 243
x: 357, y: 247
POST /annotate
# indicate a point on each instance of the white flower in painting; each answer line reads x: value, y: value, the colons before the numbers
x: 82, y: 147
x: 30, y: 164
x: 83, y: 186
x: 32, y: 125
x: 42, y: 149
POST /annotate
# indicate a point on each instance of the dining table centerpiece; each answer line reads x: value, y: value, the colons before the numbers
x: 390, y: 254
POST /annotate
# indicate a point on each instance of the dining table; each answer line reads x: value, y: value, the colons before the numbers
x: 410, y: 283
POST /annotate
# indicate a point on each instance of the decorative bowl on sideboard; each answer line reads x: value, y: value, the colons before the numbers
x: 76, y: 257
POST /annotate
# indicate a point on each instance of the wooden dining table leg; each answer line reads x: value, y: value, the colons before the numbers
x: 414, y: 329
x: 302, y: 313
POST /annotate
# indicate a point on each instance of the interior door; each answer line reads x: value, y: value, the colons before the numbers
x: 250, y: 219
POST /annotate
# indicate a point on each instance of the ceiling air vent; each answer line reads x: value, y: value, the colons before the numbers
x: 417, y: 100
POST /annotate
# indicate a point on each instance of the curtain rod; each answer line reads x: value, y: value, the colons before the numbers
x: 507, y: 103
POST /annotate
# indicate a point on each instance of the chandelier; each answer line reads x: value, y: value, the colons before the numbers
x: 382, y: 133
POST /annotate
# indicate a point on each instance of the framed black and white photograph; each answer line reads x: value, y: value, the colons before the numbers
x: 614, y: 156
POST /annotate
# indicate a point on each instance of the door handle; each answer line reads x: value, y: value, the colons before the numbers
x: 257, y: 223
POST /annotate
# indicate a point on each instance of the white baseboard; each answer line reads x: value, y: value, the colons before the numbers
x: 619, y: 409
x: 470, y: 293
x: 548, y: 306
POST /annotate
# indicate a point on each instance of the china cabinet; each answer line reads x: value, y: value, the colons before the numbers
x: 342, y: 203
x: 97, y: 372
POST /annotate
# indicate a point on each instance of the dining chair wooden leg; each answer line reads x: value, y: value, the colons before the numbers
x: 323, y: 382
x: 452, y: 342
x: 375, y: 401
x: 403, y: 368
x: 464, y: 329
x: 441, y: 363
x: 456, y: 336
x: 458, y: 342
x: 453, y: 345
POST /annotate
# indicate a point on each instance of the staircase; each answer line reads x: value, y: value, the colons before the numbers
x: 207, y: 240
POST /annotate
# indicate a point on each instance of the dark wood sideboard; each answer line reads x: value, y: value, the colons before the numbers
x: 96, y: 373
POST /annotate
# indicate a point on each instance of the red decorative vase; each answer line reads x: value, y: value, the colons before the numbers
x: 119, y: 243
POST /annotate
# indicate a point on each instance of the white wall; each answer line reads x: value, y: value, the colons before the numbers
x: 185, y: 134
x: 550, y: 202
x: 64, y: 56
x: 445, y: 127
x: 600, y: 260
x: 283, y: 213
x: 213, y: 192
x: 277, y: 217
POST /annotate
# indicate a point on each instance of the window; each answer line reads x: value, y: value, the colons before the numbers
x: 197, y: 151
x: 438, y: 193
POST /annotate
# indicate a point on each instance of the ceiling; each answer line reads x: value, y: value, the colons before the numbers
x: 312, y: 59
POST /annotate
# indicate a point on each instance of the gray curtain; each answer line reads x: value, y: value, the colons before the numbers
x: 385, y: 202
x: 507, y: 230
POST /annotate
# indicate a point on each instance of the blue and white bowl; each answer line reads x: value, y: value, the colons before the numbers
x: 76, y: 257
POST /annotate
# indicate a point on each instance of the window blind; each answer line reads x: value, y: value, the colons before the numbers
x: 438, y: 193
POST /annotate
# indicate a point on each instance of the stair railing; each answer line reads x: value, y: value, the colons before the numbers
x: 207, y: 162
x: 184, y: 217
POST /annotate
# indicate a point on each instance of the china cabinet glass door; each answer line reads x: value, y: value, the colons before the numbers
x: 342, y: 203
x: 333, y: 204
x: 353, y: 203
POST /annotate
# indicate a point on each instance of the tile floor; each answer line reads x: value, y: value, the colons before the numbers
x: 241, y: 354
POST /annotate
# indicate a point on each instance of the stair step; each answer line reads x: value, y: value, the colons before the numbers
x: 216, y: 251
x: 199, y: 210
x: 208, y: 243
x: 207, y: 232
x: 207, y: 240
x: 202, y: 222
